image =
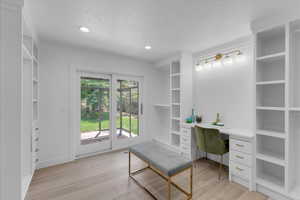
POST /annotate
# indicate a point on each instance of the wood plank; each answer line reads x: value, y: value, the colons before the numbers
x: 106, y: 177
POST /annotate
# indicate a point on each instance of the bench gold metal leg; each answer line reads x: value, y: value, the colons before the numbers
x: 129, y: 164
x: 169, y: 188
x: 167, y: 178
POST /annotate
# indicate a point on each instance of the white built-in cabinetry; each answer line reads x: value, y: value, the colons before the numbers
x: 30, y: 107
x: 180, y: 105
x: 277, y: 109
x: 175, y: 104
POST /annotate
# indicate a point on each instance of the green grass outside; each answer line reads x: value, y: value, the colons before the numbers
x: 93, y: 125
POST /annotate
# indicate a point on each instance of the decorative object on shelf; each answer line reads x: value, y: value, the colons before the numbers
x: 198, y: 119
x: 192, y: 118
x: 218, y: 121
x: 189, y: 120
x: 219, y: 59
x: 193, y: 115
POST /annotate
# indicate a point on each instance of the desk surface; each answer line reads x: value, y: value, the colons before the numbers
x: 246, y: 133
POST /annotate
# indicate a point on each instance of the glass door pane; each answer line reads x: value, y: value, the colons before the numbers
x: 95, y: 110
x: 128, y: 101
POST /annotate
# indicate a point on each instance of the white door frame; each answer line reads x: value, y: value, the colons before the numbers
x: 75, y: 104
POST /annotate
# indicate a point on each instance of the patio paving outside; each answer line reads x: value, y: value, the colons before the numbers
x: 89, y: 137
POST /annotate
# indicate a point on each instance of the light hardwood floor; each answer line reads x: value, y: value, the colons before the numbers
x: 105, y: 177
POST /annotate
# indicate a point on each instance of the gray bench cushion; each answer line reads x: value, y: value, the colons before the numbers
x: 165, y: 160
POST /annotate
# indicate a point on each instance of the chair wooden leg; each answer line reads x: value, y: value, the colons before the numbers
x: 169, y: 188
x: 220, y: 168
x: 191, y: 181
x: 129, y: 163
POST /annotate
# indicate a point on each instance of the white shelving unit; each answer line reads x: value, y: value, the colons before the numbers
x: 294, y: 110
x: 271, y: 108
x: 277, y: 72
x: 30, y: 129
x: 175, y: 109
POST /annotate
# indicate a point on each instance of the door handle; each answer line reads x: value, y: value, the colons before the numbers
x: 142, y: 108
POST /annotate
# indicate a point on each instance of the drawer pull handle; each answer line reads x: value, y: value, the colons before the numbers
x: 37, y: 150
x: 239, y: 169
x: 240, y: 157
x: 37, y: 160
x: 239, y: 145
x: 37, y: 139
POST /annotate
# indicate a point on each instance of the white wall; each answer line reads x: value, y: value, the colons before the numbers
x: 11, y: 96
x: 57, y: 62
x: 227, y: 90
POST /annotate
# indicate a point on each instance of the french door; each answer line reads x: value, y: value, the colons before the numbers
x: 127, y: 110
x: 110, y: 112
x: 95, y: 117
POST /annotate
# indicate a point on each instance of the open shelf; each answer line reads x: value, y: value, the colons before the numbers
x: 175, y: 111
x: 272, y: 57
x: 175, y: 96
x: 270, y: 108
x: 35, y: 72
x: 175, y: 67
x: 270, y: 42
x: 270, y: 175
x: 35, y: 110
x: 270, y: 95
x: 270, y: 120
x: 175, y: 125
x: 175, y: 82
x: 175, y: 140
x: 271, y: 133
x: 271, y: 149
x: 270, y: 69
x: 163, y: 106
x: 270, y: 82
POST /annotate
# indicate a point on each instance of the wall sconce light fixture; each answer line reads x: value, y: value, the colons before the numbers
x: 219, y: 59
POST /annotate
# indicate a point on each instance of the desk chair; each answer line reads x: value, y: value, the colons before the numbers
x: 212, y: 142
x: 200, y: 139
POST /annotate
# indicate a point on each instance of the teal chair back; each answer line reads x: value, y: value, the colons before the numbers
x: 214, y: 143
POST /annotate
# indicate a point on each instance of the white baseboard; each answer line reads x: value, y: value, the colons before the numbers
x: 25, y: 185
x: 54, y: 161
x: 271, y: 194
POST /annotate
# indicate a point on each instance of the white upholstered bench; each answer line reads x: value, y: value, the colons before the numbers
x: 162, y: 161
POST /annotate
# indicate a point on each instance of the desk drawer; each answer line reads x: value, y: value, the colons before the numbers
x: 186, y: 140
x: 186, y: 148
x: 186, y: 131
x: 241, y: 158
x: 241, y: 146
x: 240, y: 170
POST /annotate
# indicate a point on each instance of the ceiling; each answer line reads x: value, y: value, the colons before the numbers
x: 169, y: 26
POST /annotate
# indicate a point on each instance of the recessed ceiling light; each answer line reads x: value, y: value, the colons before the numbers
x: 84, y: 29
x: 148, y: 47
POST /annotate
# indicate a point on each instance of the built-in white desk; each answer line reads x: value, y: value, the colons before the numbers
x: 241, y: 153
